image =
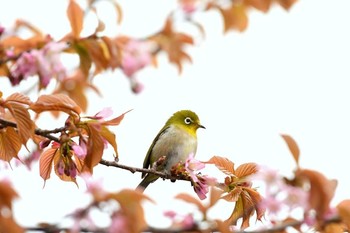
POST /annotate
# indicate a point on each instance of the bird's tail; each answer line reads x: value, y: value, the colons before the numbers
x: 150, y: 178
x: 143, y: 185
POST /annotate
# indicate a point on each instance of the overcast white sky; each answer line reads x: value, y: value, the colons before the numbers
x: 287, y: 73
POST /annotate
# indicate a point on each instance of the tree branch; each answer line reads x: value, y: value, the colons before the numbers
x: 135, y: 169
x: 273, y: 229
x: 37, y: 131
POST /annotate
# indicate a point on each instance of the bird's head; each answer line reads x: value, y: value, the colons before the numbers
x: 187, y: 120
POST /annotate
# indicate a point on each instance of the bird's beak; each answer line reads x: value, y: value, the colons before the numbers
x: 201, y: 126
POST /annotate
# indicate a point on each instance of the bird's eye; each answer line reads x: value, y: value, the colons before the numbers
x: 188, y: 120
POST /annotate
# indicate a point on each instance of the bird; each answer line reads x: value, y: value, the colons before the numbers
x: 172, y: 145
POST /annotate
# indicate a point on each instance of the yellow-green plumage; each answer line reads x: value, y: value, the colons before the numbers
x: 175, y: 141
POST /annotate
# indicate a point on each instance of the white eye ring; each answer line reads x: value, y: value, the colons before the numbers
x: 188, y: 120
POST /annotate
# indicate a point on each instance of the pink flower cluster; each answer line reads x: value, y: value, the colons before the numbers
x: 200, y: 183
x: 280, y: 198
x: 44, y: 62
x: 181, y: 221
x: 83, y: 217
x: 136, y: 55
x: 188, y: 6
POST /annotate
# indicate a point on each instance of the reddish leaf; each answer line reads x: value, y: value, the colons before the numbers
x: 246, y: 205
x: 20, y: 23
x: 236, y: 213
x: 190, y: 199
x: 75, y: 15
x: 95, y: 147
x: 19, y: 98
x: 333, y: 228
x: 246, y: 169
x: 223, y: 164
x: 96, y: 53
x: 344, y: 212
x: 215, y: 195
x: 321, y: 190
x: 110, y: 138
x: 223, y: 227
x: 233, y: 195
x: 7, y: 194
x: 235, y: 17
x: 56, y: 102
x: 8, y: 224
x: 25, y: 125
x: 113, y: 52
x: 293, y: 147
x: 130, y: 204
x: 119, y: 11
x: 46, y: 161
x: 173, y: 43
x: 10, y: 144
x: 117, y: 120
x: 286, y: 4
x: 4, y: 70
x: 20, y: 45
x: 17, y: 105
x: 79, y: 163
x: 263, y: 6
x: 256, y: 199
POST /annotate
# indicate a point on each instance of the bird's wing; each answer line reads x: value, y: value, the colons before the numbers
x: 147, y: 161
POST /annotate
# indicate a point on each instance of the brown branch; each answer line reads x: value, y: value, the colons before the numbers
x: 136, y: 169
x: 273, y: 229
x: 37, y: 131
x: 55, y: 229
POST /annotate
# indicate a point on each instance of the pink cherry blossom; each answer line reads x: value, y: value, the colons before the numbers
x: 24, y: 67
x: 103, y: 114
x: 183, y: 221
x: 201, y: 187
x: 80, y: 216
x: 31, y: 159
x: 192, y: 165
x: 296, y: 197
x: 93, y: 186
x: 60, y: 167
x: 44, y: 62
x: 136, y: 55
x: 201, y: 190
x: 273, y: 205
x: 80, y: 150
x: 279, y: 196
x: 119, y: 224
x: 188, y: 6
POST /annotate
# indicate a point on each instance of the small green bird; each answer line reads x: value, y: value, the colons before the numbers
x: 174, y: 143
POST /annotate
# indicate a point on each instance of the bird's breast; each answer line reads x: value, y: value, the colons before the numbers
x: 176, y: 145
